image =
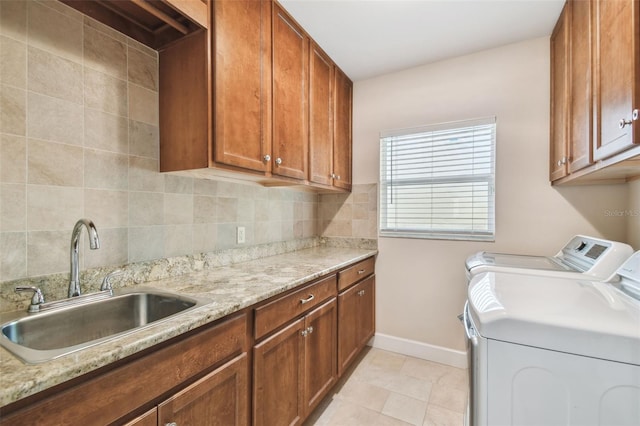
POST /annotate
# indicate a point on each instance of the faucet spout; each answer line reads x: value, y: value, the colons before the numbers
x: 94, y: 243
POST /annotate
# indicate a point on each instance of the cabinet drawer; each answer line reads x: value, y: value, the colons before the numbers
x: 355, y: 273
x: 284, y: 309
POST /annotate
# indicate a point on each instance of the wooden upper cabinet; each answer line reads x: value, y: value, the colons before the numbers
x: 242, y: 83
x: 342, y: 142
x: 617, y: 71
x: 559, y: 97
x: 290, y: 46
x: 321, y: 71
x: 580, y: 98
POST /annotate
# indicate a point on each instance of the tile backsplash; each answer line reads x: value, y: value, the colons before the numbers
x: 79, y: 137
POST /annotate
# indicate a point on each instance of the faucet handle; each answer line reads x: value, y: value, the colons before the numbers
x: 36, y: 300
x: 107, y: 285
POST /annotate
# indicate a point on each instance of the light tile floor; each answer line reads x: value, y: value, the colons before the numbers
x: 386, y: 388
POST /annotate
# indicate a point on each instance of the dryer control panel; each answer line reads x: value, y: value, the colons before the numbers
x: 592, y: 255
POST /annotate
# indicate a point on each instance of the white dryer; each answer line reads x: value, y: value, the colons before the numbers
x: 582, y: 257
x: 554, y: 351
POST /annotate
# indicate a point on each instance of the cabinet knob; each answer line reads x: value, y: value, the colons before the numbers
x: 361, y: 271
x: 563, y: 161
x: 335, y: 176
x: 278, y: 161
x: 310, y: 329
x: 361, y: 293
x: 171, y: 424
x: 267, y: 158
x: 623, y: 123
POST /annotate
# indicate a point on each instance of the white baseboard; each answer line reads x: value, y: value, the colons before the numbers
x: 419, y: 350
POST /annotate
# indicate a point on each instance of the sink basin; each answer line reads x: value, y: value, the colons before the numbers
x: 47, y: 335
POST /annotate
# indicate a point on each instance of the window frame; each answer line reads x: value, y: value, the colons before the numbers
x: 488, y: 179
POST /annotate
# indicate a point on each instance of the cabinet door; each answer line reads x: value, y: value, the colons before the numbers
x: 617, y: 70
x: 320, y: 116
x: 290, y: 120
x: 219, y: 398
x: 356, y: 321
x: 320, y: 342
x: 342, y: 130
x: 150, y: 418
x: 559, y: 98
x: 277, y: 377
x: 580, y: 128
x: 242, y: 83
x: 366, y: 310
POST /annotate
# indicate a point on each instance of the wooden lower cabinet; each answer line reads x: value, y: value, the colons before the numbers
x: 219, y: 398
x: 295, y: 368
x: 356, y: 320
x: 119, y: 394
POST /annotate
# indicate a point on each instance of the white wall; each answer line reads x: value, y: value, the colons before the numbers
x: 421, y: 283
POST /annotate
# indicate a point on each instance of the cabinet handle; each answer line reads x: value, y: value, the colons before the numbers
x: 361, y: 271
x: 304, y: 332
x: 278, y: 161
x: 333, y: 176
x: 310, y: 329
x: 563, y: 161
x: 307, y: 300
x: 267, y: 158
x: 171, y: 424
x: 361, y: 293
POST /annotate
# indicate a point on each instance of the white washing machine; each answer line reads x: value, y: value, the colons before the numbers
x: 582, y: 257
x: 554, y: 351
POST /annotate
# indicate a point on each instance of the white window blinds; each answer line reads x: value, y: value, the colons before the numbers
x: 438, y: 181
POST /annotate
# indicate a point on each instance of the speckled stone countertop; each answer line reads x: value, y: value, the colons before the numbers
x: 225, y: 289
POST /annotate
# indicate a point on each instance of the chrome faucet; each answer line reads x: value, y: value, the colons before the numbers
x: 94, y: 243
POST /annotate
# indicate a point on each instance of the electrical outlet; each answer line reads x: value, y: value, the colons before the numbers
x: 240, y: 235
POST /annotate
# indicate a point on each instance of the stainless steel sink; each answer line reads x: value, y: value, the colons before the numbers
x: 47, y: 335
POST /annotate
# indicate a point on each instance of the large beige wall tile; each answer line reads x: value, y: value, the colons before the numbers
x: 62, y: 8
x: 142, y: 69
x: 146, y: 243
x: 105, y: 54
x: 204, y: 209
x: 205, y: 236
x: 13, y: 110
x: 13, y: 19
x: 178, y: 209
x: 54, y: 119
x: 146, y: 208
x: 13, y: 159
x: 107, y: 208
x: 54, y: 31
x: 246, y: 210
x: 144, y: 139
x: 206, y: 187
x: 178, y: 184
x: 144, y: 176
x: 13, y: 62
x: 105, y: 93
x: 105, y: 170
x: 54, y: 76
x: 47, y: 252
x: 105, y: 131
x: 227, y: 209
x: 52, y: 163
x: 53, y: 208
x: 141, y: 47
x: 13, y: 262
x: 143, y: 104
x: 93, y: 24
x: 178, y: 240
x: 13, y: 204
x: 114, y: 248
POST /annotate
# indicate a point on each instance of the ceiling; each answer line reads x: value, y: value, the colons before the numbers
x: 367, y: 38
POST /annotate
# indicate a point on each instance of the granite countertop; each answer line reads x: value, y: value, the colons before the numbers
x: 225, y: 290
